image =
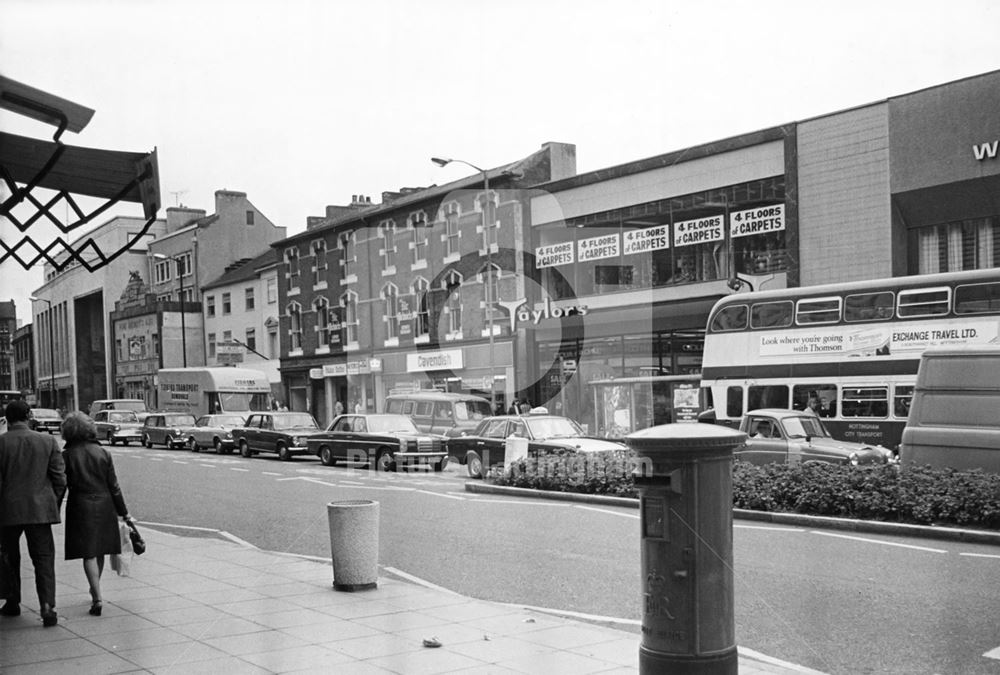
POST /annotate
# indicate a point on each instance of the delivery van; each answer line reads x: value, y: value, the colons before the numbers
x: 954, y: 418
x: 201, y: 391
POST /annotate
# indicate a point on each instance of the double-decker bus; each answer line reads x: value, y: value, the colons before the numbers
x: 849, y: 351
x: 8, y: 395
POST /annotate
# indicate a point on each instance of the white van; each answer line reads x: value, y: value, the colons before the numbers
x: 954, y: 418
x: 202, y: 391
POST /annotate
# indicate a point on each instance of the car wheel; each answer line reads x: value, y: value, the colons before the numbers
x: 439, y: 466
x: 193, y: 445
x: 283, y: 454
x: 474, y: 465
x: 326, y: 456
x: 146, y: 441
x: 383, y: 460
x: 111, y: 439
x: 218, y: 446
x: 245, y: 449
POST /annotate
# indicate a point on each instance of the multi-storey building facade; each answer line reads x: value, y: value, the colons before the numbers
x: 24, y: 361
x: 393, y: 295
x: 241, y: 317
x: 159, y: 323
x: 8, y: 324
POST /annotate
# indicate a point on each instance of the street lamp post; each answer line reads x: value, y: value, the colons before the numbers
x: 52, y: 355
x: 487, y: 225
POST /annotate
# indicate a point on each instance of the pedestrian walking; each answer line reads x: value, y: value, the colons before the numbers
x: 95, y: 501
x: 32, y: 486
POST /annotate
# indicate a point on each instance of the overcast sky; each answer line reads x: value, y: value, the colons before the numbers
x: 302, y: 104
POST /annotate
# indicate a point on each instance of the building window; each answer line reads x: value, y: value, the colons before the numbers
x: 348, y: 258
x: 249, y: 299
x: 319, y: 258
x: 118, y: 350
x: 227, y: 336
x: 491, y: 294
x: 272, y: 342
x: 349, y: 303
x: 250, y: 217
x: 272, y: 290
x: 227, y: 304
x: 421, y: 322
x: 251, y: 338
x: 184, y: 264
x: 417, y: 223
x: 292, y: 260
x: 489, y: 222
x: 451, y: 212
x: 163, y: 271
x: 962, y: 245
x: 391, y: 296
x: 295, y: 327
x: 453, y: 306
x: 211, y: 345
x: 156, y: 344
x: 387, y: 230
x: 322, y: 307
x: 210, y: 305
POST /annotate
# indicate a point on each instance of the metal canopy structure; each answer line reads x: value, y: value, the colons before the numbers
x: 29, y: 164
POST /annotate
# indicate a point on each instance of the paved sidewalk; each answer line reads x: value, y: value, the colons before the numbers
x: 207, y: 605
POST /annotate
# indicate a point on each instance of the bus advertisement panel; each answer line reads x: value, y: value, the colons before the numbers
x: 200, y: 391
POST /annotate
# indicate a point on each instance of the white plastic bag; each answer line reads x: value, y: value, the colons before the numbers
x: 122, y: 563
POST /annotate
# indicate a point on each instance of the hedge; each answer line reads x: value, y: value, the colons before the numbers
x: 891, y: 493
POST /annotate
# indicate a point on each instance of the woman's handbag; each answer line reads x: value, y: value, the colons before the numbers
x: 138, y: 543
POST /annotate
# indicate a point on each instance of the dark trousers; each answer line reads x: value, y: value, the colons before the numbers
x: 41, y: 548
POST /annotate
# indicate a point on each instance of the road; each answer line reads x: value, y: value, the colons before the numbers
x: 831, y: 601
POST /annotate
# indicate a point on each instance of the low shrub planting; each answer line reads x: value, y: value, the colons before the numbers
x: 893, y: 493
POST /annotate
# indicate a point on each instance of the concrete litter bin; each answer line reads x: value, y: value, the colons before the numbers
x: 354, y: 544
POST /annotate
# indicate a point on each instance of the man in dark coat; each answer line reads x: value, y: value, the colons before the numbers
x: 32, y: 486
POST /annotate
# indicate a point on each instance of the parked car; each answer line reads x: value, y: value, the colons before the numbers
x: 45, y: 419
x: 487, y: 444
x: 284, y: 433
x: 136, y: 405
x: 381, y: 440
x: 440, y: 412
x: 166, y: 428
x: 118, y: 425
x: 214, y: 431
x: 793, y: 436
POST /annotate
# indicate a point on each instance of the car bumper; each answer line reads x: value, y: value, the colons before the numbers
x: 49, y: 427
x: 127, y: 436
x: 419, y: 457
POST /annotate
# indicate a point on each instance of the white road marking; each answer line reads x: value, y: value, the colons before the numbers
x: 981, y: 555
x: 272, y: 473
x: 993, y: 654
x: 442, y: 494
x: 878, y: 541
x: 523, y: 502
x: 608, y: 511
x: 207, y: 466
x: 236, y: 468
x: 180, y: 461
x: 768, y: 527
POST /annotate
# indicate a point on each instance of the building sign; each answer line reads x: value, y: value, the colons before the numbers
x: 985, y: 150
x: 700, y: 231
x: 448, y: 359
x: 648, y: 239
x: 757, y: 221
x: 315, y: 373
x: 554, y: 254
x: 229, y: 359
x: 597, y: 248
x: 335, y: 370
x: 229, y: 348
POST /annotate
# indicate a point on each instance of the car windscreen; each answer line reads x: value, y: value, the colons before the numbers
x: 553, y: 427
x: 292, y: 421
x: 44, y: 412
x: 384, y: 424
x: 226, y: 420
x: 801, y: 426
x: 125, y: 416
x: 472, y: 410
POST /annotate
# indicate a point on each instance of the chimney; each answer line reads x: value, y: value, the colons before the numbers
x: 181, y: 216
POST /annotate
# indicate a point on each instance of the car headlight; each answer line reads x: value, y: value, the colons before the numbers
x: 229, y: 434
x: 297, y: 440
x: 852, y: 459
x: 118, y: 427
x: 175, y: 432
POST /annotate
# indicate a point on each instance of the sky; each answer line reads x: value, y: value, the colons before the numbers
x: 303, y: 103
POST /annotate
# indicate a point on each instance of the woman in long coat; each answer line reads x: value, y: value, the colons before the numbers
x: 95, y: 501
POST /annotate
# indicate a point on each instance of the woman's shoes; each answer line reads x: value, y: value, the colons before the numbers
x: 95, y: 609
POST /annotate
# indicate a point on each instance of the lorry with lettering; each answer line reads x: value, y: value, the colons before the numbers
x: 954, y: 418
x: 203, y: 391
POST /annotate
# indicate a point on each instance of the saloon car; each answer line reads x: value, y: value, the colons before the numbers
x: 384, y: 441
x: 284, y: 433
x: 214, y: 431
x: 118, y: 425
x: 166, y: 428
x: 46, y: 419
x: 794, y: 436
x: 487, y: 444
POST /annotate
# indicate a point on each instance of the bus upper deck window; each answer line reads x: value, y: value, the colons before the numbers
x: 869, y: 306
x: 730, y: 318
x: 924, y: 302
x: 771, y: 314
x: 818, y: 310
x: 977, y: 298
